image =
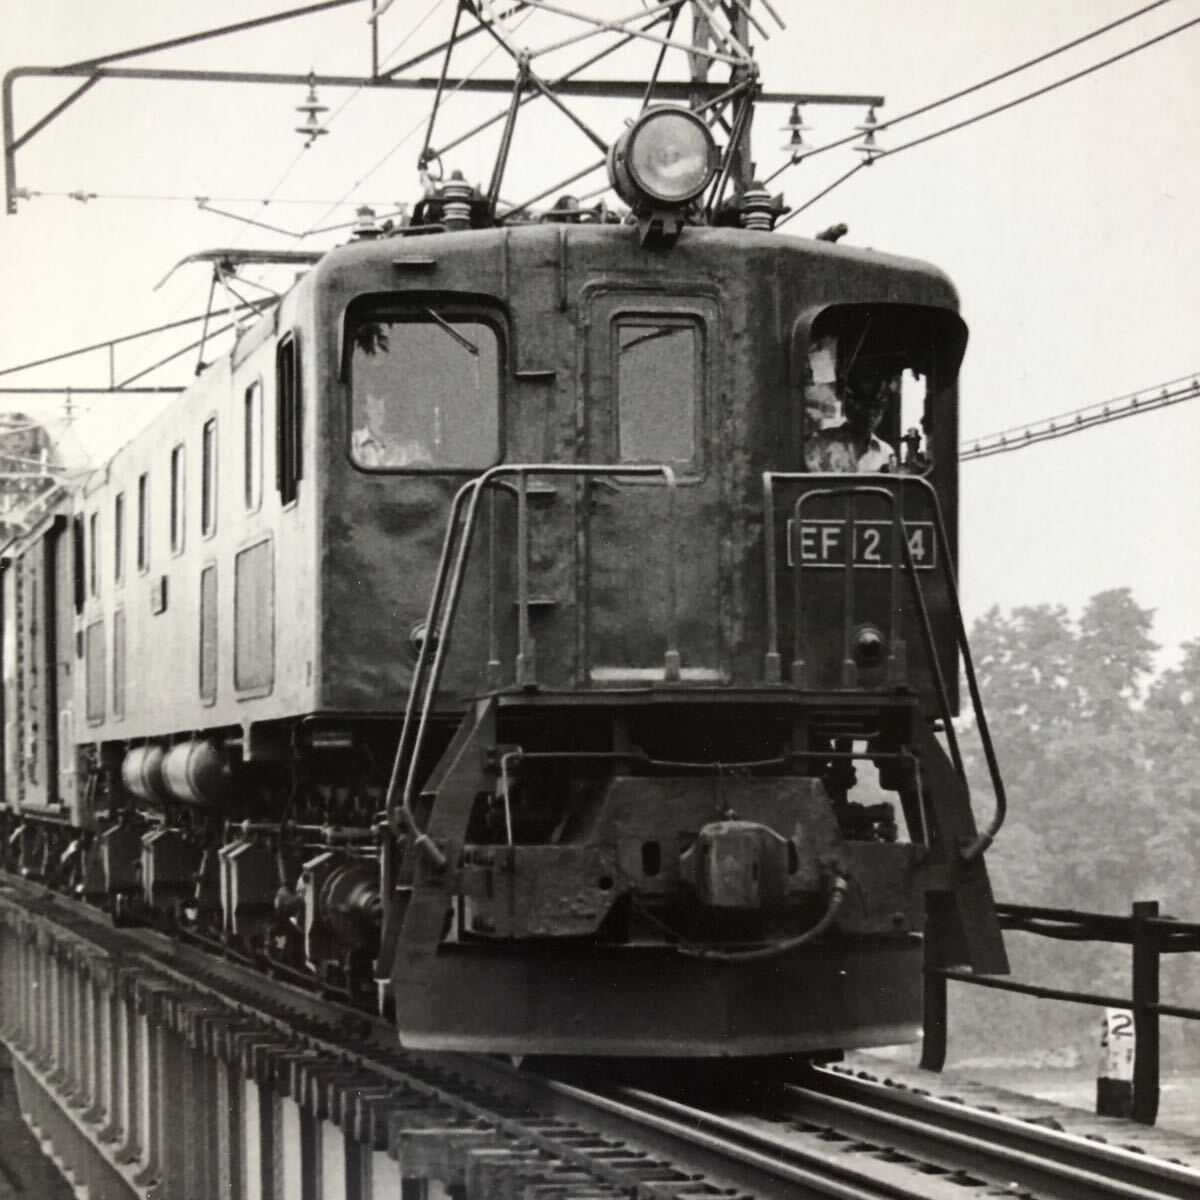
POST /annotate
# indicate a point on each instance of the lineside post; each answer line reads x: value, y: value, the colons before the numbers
x: 1145, y: 1013
x: 934, y: 1016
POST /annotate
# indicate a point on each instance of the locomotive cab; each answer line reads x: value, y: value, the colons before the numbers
x: 876, y: 389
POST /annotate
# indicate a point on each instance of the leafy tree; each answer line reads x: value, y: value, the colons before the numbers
x: 1101, y: 763
x: 1064, y: 703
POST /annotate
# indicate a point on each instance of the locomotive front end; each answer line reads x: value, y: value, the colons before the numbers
x: 650, y: 631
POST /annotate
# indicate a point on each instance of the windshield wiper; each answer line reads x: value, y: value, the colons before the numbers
x: 661, y: 332
x: 466, y: 343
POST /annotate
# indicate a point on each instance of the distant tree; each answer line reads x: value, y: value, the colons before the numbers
x: 1066, y: 705
x: 1171, y: 743
x: 1101, y: 763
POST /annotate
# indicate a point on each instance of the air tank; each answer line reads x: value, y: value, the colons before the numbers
x: 142, y: 773
x: 197, y: 772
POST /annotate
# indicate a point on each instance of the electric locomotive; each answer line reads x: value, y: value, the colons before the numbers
x: 474, y: 640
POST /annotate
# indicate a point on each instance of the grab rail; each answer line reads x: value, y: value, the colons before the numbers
x: 849, y: 667
x: 443, y: 607
x: 772, y: 662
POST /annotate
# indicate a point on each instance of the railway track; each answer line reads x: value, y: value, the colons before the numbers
x: 838, y: 1136
x: 151, y: 1066
x: 1032, y: 1156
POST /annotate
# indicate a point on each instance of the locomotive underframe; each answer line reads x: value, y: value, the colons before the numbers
x: 895, y: 889
x: 579, y: 942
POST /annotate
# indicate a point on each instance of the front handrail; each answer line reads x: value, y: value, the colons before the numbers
x: 772, y: 661
x: 443, y: 608
x: 985, y: 839
x: 849, y: 667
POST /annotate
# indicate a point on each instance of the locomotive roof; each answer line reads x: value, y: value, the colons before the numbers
x: 697, y: 245
x: 366, y: 265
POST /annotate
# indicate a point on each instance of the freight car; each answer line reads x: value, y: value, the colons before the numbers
x: 473, y: 639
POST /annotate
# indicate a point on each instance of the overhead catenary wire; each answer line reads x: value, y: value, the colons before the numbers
x: 1042, y: 91
x: 406, y: 137
x: 83, y: 195
x: 324, y: 127
x: 171, y: 197
x: 1008, y: 73
x: 330, y: 206
x: 854, y: 170
x: 881, y: 153
x: 1132, y: 404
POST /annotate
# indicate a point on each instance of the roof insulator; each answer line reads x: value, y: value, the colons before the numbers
x: 365, y: 228
x: 312, y: 128
x: 797, y: 128
x: 456, y: 202
x: 756, y: 207
x: 867, y: 147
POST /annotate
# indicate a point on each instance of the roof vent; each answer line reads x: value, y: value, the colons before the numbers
x: 365, y: 227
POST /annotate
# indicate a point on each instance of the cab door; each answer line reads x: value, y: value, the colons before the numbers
x: 650, y: 544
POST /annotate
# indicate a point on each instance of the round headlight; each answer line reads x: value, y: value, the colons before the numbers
x: 667, y: 156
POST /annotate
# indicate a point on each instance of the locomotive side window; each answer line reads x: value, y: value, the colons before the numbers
x: 94, y: 554
x: 118, y: 665
x: 77, y: 562
x: 119, y: 538
x: 657, y: 372
x: 177, y: 499
x: 424, y: 392
x: 252, y: 446
x: 289, y: 447
x: 254, y: 618
x: 94, y: 664
x: 208, y: 634
x: 208, y: 478
x: 143, y: 522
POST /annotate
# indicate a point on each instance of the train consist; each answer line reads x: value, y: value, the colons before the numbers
x: 523, y: 630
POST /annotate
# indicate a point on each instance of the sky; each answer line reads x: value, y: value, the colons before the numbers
x: 1069, y: 225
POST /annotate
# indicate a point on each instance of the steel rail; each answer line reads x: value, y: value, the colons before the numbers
x: 873, y: 1140
x: 1050, y: 1162
x: 866, y: 1143
x: 816, y: 1162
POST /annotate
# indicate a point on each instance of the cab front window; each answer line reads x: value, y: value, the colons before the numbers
x: 877, y: 388
x: 424, y: 391
x: 657, y: 372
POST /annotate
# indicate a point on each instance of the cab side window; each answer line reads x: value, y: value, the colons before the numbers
x: 143, y: 522
x: 289, y: 448
x: 208, y: 478
x: 252, y: 446
x: 178, y: 510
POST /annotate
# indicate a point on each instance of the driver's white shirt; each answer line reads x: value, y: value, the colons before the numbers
x: 835, y: 450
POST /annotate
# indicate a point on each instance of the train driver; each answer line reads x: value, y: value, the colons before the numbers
x: 870, y: 389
